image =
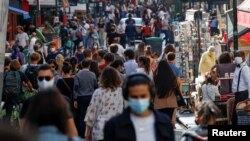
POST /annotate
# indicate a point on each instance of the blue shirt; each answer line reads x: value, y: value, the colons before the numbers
x: 130, y: 67
x: 214, y: 23
x: 51, y: 133
x: 175, y: 70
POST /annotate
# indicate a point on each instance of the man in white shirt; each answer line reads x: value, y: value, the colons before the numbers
x: 120, y: 47
x: 165, y: 27
x: 22, y: 37
x: 241, y: 82
x: 32, y: 43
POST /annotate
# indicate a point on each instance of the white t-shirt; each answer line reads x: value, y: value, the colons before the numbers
x: 144, y: 128
x: 120, y: 49
x: 31, y: 45
x: 150, y: 75
x: 22, y: 38
x: 161, y: 14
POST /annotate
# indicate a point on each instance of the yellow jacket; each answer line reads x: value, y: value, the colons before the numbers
x: 207, y: 61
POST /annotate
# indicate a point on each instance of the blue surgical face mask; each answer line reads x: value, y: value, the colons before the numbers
x: 138, y: 105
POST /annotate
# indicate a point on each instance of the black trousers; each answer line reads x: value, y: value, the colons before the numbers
x: 239, y: 96
x: 83, y: 103
x: 167, y: 111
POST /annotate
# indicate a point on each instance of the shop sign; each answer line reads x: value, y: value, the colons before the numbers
x: 244, y: 18
x: 220, y: 2
x: 43, y: 2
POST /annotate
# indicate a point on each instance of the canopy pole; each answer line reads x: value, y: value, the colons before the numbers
x: 235, y: 26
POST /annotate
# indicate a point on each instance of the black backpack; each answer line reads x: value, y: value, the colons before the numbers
x: 13, y: 83
x: 31, y: 73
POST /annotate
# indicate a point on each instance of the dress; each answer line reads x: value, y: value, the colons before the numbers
x: 104, y: 105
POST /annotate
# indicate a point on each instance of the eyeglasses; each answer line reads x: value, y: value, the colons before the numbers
x: 47, y: 78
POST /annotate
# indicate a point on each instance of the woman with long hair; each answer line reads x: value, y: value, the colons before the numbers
x: 144, y: 67
x: 66, y: 83
x: 140, y: 50
x: 101, y: 31
x: 47, y: 117
x: 107, y: 102
x: 166, y: 83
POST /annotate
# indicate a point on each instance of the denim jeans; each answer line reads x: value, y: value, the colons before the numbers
x: 166, y: 32
x: 84, y: 41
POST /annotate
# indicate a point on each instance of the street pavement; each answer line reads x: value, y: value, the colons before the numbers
x: 188, y: 120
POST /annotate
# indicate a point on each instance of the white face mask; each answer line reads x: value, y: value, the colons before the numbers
x: 238, y: 60
x: 45, y: 84
x: 53, y: 49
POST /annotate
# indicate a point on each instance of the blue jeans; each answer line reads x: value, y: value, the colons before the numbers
x: 130, y: 39
x: 166, y: 32
x: 84, y: 41
x: 157, y: 33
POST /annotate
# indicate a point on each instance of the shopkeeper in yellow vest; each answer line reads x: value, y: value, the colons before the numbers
x: 207, y: 61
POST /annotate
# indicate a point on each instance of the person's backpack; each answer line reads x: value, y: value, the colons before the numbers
x: 12, y: 84
x: 79, y: 34
x: 31, y: 73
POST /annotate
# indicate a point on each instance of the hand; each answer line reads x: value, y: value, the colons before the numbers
x: 88, y: 133
x: 75, y: 104
x: 89, y: 137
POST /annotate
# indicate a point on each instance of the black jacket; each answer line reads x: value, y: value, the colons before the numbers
x: 121, y: 128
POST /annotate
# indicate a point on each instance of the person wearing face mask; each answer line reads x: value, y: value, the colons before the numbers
x: 54, y: 52
x: 139, y: 122
x: 46, y: 81
x: 205, y: 114
x: 118, y: 65
x: 79, y: 54
x: 241, y: 82
x: 207, y: 61
x: 112, y: 35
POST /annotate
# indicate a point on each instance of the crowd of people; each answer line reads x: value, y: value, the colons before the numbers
x: 100, y: 97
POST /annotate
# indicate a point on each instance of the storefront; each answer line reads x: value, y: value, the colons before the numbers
x: 16, y: 16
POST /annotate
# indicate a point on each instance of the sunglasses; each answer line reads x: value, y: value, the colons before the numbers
x: 47, y: 78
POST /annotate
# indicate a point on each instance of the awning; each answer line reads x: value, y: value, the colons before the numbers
x: 24, y: 13
x: 241, y: 29
x: 244, y: 14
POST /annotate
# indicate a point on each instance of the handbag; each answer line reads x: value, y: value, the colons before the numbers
x: 68, y: 88
x: 179, y: 98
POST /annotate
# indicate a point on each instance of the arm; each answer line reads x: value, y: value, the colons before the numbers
x: 27, y: 39
x: 88, y: 133
x: 75, y: 91
x: 246, y: 77
x: 179, y: 83
x: 92, y: 114
x: 72, y: 131
x: 201, y: 65
x: 25, y: 80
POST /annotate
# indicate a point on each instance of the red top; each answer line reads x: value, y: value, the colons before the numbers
x: 225, y: 37
x: 103, y: 66
x: 25, y: 5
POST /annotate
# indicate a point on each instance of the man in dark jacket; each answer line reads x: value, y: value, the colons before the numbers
x: 130, y: 32
x: 139, y: 122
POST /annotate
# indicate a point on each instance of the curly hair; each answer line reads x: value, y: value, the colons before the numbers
x: 110, y: 79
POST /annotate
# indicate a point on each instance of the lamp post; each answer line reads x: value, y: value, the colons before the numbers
x: 235, y: 26
x: 56, y: 6
x: 38, y: 14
